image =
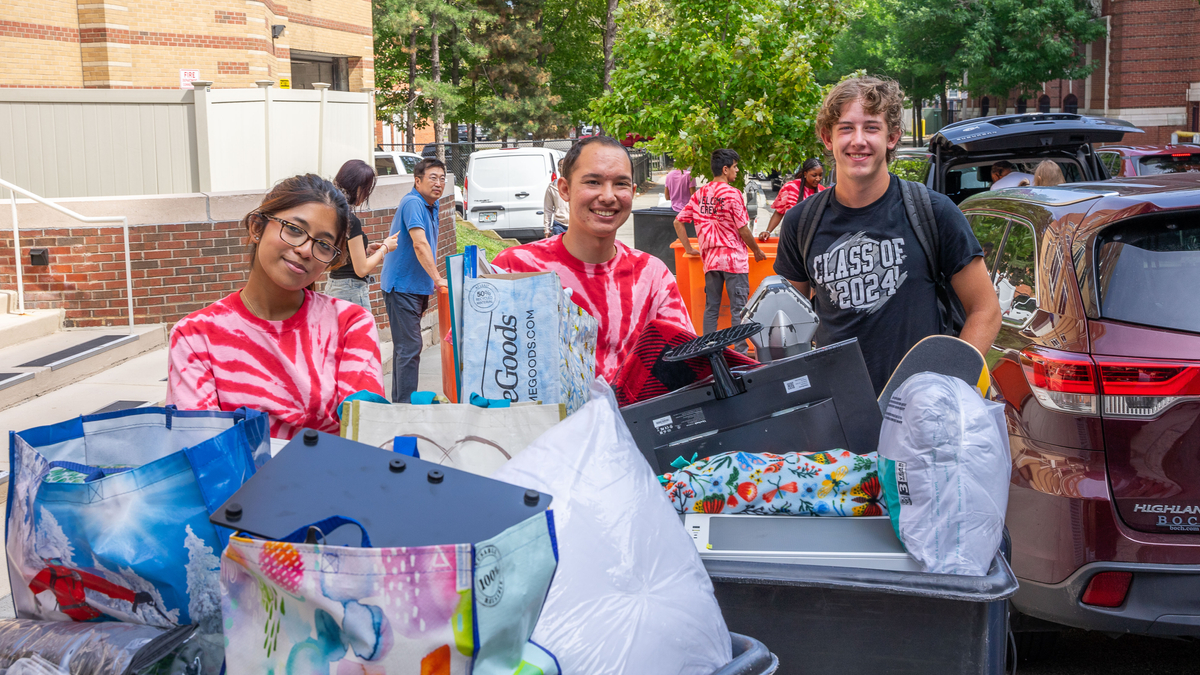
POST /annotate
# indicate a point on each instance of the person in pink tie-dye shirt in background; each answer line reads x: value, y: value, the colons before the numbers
x: 276, y: 345
x: 624, y: 289
x: 723, y: 231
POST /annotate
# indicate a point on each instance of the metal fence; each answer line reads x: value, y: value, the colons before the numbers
x: 457, y: 154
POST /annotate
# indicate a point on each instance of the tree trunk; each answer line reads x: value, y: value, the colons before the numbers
x: 436, y: 68
x: 610, y: 38
x: 945, y: 104
x: 454, y: 80
x: 409, y: 127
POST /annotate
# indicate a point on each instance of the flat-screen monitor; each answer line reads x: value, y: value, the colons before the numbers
x: 812, y: 402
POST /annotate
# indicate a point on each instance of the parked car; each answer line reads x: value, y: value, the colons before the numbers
x: 1098, y: 366
x: 1149, y: 160
x: 959, y: 157
x: 505, y: 190
x: 391, y: 163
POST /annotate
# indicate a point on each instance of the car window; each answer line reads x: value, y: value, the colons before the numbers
x: 989, y: 230
x: 508, y: 171
x: 1112, y: 163
x: 911, y: 168
x: 1015, y: 279
x: 1154, y: 165
x: 384, y: 166
x: 410, y: 163
x: 1147, y: 270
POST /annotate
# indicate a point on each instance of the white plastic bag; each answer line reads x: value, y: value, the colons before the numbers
x: 630, y: 594
x: 945, y: 467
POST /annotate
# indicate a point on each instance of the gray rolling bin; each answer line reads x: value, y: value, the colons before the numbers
x: 831, y: 595
x: 654, y: 232
x: 750, y: 657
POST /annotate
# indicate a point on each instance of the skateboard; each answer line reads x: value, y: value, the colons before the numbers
x: 941, y: 354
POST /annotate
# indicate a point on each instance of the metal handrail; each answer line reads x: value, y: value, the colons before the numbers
x: 124, y: 221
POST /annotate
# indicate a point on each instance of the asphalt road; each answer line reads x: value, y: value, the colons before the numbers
x: 1087, y: 653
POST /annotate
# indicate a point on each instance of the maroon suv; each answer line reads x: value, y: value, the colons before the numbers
x: 1098, y: 365
x: 1149, y: 160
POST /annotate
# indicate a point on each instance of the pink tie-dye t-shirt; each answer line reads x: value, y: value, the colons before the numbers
x: 297, y: 370
x: 719, y: 211
x: 623, y: 294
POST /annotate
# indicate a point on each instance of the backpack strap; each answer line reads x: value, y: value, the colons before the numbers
x: 919, y: 208
x: 811, y: 210
x: 920, y: 215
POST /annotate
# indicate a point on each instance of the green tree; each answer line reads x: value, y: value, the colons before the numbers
x: 702, y: 74
x: 1019, y: 44
x: 576, y: 64
x: 513, y: 71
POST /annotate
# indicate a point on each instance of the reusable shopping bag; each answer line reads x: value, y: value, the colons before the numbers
x: 300, y: 608
x: 523, y: 339
x: 108, y: 514
x: 945, y: 463
x: 834, y: 483
x: 467, y: 437
x: 630, y: 594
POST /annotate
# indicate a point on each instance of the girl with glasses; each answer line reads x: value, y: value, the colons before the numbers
x: 349, y: 282
x: 276, y: 345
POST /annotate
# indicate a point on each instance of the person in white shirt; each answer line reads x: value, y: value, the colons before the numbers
x: 556, y: 210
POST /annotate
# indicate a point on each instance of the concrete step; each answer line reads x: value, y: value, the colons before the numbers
x: 35, y: 367
x: 33, y: 324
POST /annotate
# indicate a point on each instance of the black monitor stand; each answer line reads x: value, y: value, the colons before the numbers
x: 725, y: 383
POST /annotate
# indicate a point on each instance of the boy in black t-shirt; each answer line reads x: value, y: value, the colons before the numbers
x: 866, y: 270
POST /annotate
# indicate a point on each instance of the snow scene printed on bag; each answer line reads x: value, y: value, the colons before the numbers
x: 125, y: 536
x: 297, y: 609
x: 834, y: 483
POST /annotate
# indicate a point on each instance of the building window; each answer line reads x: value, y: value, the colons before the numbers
x: 1071, y: 104
x: 1022, y: 106
x: 1043, y: 103
x: 984, y: 104
x: 311, y: 67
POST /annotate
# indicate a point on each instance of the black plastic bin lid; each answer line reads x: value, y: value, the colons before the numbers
x: 400, y: 500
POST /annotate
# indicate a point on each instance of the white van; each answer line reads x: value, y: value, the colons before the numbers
x: 505, y: 190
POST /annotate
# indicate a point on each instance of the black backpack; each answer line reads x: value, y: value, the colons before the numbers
x: 917, y: 205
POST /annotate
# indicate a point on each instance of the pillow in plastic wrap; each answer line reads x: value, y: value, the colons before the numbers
x: 630, y: 594
x: 945, y: 466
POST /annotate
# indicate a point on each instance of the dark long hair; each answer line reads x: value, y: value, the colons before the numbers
x: 296, y: 191
x: 809, y: 164
x: 357, y: 179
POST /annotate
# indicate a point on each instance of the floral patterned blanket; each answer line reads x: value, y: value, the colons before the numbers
x: 834, y: 483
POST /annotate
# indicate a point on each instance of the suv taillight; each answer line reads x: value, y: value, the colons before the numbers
x: 1077, y: 384
x: 1061, y: 381
x: 1144, y: 388
x: 464, y: 193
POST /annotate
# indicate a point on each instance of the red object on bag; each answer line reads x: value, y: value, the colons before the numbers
x: 644, y: 374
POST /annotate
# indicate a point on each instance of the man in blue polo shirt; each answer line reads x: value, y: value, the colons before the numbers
x: 410, y: 273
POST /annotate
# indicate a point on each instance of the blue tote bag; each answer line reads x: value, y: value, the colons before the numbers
x: 108, y: 514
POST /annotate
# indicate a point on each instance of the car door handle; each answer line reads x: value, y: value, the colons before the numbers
x: 522, y: 194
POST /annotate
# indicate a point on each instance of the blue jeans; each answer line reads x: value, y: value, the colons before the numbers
x: 350, y: 290
x: 404, y: 312
x: 557, y: 228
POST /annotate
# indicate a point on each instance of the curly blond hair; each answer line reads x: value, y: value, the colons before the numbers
x: 879, y: 96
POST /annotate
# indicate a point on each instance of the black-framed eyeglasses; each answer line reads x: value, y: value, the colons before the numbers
x: 294, y: 235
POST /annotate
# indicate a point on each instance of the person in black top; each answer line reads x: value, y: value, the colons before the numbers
x: 349, y: 282
x: 865, y: 268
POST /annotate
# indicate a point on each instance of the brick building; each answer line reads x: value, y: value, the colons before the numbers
x: 145, y: 44
x: 1147, y: 72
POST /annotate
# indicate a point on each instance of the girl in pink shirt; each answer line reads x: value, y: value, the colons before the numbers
x: 276, y: 345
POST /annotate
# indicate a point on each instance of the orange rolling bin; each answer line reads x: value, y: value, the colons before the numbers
x: 689, y: 276
x: 449, y: 382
